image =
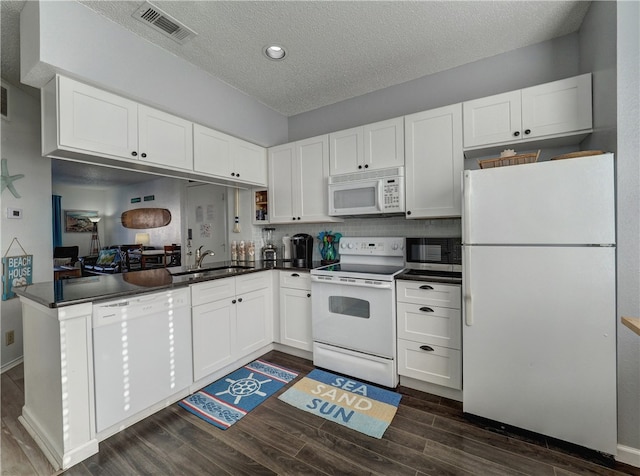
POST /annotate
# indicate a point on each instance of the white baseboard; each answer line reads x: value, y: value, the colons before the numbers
x: 10, y: 365
x: 628, y: 455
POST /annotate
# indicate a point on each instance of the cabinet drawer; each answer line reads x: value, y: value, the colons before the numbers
x: 295, y: 280
x: 434, y: 294
x: 437, y: 325
x: 211, y: 291
x: 441, y: 366
x: 253, y: 282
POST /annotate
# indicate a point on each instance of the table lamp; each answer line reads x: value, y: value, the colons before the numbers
x: 142, y: 238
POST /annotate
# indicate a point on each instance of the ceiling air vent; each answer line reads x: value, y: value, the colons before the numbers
x: 165, y: 24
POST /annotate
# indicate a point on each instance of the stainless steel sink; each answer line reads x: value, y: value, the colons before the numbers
x: 213, y: 272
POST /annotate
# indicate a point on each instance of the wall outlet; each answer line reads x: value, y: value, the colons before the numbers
x: 10, y: 337
x: 14, y: 212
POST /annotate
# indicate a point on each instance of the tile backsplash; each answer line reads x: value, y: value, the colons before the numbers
x: 391, y: 226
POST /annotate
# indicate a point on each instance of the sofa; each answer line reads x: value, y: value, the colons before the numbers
x: 108, y: 261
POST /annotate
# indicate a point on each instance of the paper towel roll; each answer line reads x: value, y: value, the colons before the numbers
x: 286, y: 242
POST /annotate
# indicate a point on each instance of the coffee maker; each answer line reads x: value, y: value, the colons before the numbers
x: 302, y: 250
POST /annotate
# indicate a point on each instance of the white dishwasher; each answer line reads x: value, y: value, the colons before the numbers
x: 142, y: 353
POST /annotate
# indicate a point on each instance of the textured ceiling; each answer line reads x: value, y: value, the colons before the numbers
x: 335, y: 50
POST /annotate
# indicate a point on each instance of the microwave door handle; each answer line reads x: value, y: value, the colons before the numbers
x: 379, y: 190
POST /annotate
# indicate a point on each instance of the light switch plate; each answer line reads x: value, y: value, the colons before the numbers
x: 14, y: 212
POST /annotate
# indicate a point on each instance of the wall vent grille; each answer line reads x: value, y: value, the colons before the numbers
x: 164, y: 23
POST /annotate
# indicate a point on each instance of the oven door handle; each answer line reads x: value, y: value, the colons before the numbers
x: 354, y: 282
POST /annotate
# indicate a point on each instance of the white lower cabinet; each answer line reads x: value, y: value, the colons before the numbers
x: 429, y: 332
x: 231, y: 318
x: 295, y: 310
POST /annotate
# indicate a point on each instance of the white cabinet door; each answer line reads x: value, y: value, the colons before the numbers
x: 439, y: 326
x: 298, y: 177
x: 254, y: 327
x: 347, y: 151
x: 375, y: 146
x: 213, y: 336
x: 312, y: 177
x: 434, y: 163
x: 384, y: 144
x: 221, y: 155
x: 282, y: 183
x: 295, y: 318
x: 295, y: 310
x: 430, y: 363
x: 492, y: 119
x: 250, y: 162
x: 548, y: 110
x: 558, y: 107
x: 211, y: 152
x: 164, y: 139
x: 96, y: 121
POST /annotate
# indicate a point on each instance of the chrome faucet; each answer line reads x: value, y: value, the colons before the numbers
x: 200, y: 255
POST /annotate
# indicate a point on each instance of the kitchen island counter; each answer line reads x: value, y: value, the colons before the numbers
x: 68, y: 292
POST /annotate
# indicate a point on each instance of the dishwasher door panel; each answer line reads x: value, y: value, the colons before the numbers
x: 140, y: 361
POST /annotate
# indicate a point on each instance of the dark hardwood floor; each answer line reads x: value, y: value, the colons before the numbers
x: 428, y: 436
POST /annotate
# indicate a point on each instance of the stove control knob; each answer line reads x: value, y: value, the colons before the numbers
x: 343, y: 245
x: 394, y: 246
x: 350, y: 245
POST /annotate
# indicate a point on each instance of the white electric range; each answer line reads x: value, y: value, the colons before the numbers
x: 354, y: 309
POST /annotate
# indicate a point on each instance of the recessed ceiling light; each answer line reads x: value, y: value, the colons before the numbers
x: 275, y: 52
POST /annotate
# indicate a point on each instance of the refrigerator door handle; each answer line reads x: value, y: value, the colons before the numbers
x: 468, y: 315
x: 466, y: 196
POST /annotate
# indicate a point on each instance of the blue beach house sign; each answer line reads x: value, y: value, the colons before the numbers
x: 16, y: 271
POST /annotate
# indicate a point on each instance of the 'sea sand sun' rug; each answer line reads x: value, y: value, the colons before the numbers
x: 362, y: 407
x: 227, y: 400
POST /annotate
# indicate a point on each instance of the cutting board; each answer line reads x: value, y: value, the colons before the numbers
x: 146, y: 218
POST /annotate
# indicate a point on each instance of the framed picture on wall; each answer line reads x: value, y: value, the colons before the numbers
x: 77, y: 221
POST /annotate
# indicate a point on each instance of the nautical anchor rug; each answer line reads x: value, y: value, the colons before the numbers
x: 362, y: 407
x: 227, y: 400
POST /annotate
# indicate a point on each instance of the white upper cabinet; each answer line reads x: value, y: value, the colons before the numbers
x: 80, y: 121
x: 434, y: 163
x: 548, y: 110
x: 282, y: 169
x: 164, y: 139
x: 222, y: 155
x: 298, y: 177
x: 375, y: 146
x: 250, y: 162
x: 88, y: 119
x: 85, y: 123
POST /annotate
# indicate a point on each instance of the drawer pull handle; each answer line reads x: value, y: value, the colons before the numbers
x: 426, y: 286
x: 308, y: 294
x: 426, y: 309
x: 427, y: 348
x: 295, y: 275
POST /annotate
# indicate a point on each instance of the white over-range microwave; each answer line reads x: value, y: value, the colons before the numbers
x: 374, y: 192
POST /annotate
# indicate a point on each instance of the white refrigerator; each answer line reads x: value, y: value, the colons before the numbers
x: 539, y: 337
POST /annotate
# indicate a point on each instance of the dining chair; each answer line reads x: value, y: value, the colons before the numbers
x: 171, y: 258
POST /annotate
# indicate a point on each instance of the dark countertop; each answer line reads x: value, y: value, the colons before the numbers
x: 408, y: 276
x: 67, y: 292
